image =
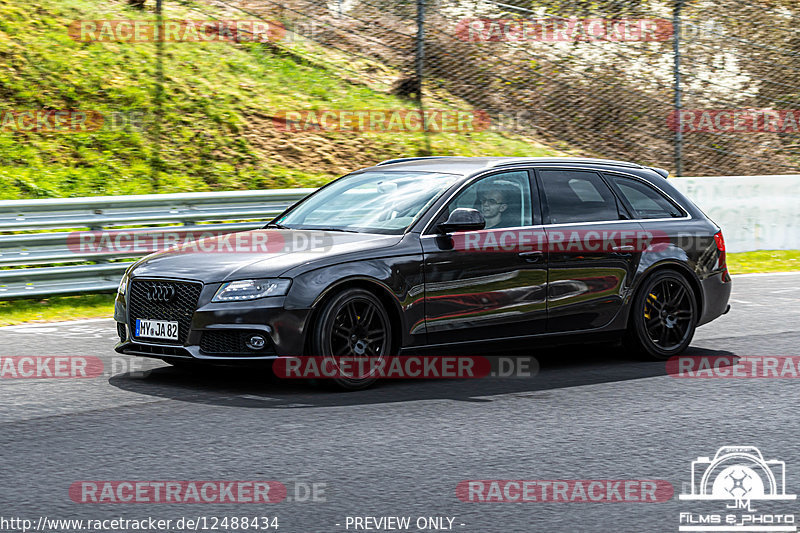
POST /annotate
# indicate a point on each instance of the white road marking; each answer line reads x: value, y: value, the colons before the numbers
x: 261, y: 398
x: 759, y: 274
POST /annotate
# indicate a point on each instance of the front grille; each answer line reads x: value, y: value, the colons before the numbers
x: 180, y: 309
x: 231, y: 342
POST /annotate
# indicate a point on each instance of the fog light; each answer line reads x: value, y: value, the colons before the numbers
x: 256, y: 342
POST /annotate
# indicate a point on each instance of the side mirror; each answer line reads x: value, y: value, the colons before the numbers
x: 463, y: 219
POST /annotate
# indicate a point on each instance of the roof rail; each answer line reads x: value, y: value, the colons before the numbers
x: 404, y: 159
x: 566, y: 160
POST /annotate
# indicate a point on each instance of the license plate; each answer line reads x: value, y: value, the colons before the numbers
x: 156, y: 329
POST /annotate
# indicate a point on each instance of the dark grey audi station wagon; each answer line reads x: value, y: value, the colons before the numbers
x: 433, y: 252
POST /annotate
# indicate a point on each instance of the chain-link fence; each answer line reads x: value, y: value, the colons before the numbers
x: 702, y: 87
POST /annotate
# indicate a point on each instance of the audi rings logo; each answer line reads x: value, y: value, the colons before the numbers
x: 160, y: 293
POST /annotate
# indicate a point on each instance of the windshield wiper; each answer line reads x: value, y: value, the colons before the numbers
x: 334, y: 229
x: 312, y: 228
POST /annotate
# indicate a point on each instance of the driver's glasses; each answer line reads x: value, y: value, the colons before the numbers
x: 491, y: 202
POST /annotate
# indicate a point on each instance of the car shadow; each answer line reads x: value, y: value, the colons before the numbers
x: 553, y: 368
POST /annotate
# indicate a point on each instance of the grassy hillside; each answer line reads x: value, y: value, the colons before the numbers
x: 217, y: 132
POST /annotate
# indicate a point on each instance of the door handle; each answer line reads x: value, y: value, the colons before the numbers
x: 624, y: 249
x: 532, y: 257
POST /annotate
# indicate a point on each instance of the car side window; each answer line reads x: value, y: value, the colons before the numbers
x: 503, y: 199
x: 577, y: 196
x: 645, y: 200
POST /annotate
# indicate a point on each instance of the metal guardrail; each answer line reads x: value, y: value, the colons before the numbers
x: 26, y: 242
x: 755, y: 212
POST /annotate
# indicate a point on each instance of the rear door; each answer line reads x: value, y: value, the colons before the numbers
x: 593, y: 248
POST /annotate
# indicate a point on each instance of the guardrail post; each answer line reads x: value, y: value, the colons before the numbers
x: 676, y: 48
x: 419, y: 60
x: 98, y: 260
x: 158, y: 99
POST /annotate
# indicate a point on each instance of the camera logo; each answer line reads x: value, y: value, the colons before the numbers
x: 738, y: 473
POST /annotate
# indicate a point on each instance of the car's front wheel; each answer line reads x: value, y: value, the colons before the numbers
x: 352, y: 324
x: 664, y: 316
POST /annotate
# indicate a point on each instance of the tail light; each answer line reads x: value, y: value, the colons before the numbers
x: 719, y: 240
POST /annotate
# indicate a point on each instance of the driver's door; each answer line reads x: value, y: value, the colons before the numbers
x: 491, y: 283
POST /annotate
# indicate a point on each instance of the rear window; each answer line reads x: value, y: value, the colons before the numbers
x: 646, y: 201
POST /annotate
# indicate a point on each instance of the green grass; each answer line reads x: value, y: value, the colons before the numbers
x: 216, y: 133
x: 102, y: 305
x: 56, y: 308
x: 764, y: 261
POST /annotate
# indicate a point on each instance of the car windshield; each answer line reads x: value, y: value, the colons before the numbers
x: 369, y: 202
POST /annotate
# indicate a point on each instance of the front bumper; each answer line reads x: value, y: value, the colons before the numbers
x: 218, y: 330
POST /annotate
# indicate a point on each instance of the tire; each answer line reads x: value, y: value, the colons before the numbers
x: 353, y: 323
x: 663, y: 317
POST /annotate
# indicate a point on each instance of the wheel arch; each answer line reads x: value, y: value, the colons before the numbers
x: 680, y: 268
x: 380, y: 290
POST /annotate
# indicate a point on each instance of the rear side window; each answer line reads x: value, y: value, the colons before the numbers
x: 645, y: 200
x: 577, y: 196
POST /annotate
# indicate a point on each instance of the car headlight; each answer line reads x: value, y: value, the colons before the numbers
x: 123, y: 285
x: 251, y: 289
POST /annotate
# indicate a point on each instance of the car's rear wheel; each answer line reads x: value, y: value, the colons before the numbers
x: 352, y: 324
x: 663, y: 316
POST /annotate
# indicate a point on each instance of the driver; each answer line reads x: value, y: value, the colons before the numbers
x: 493, y: 199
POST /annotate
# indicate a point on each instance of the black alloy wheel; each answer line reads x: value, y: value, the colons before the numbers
x: 664, y: 316
x: 352, y: 325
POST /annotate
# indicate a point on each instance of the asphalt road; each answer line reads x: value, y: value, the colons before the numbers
x: 399, y: 449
